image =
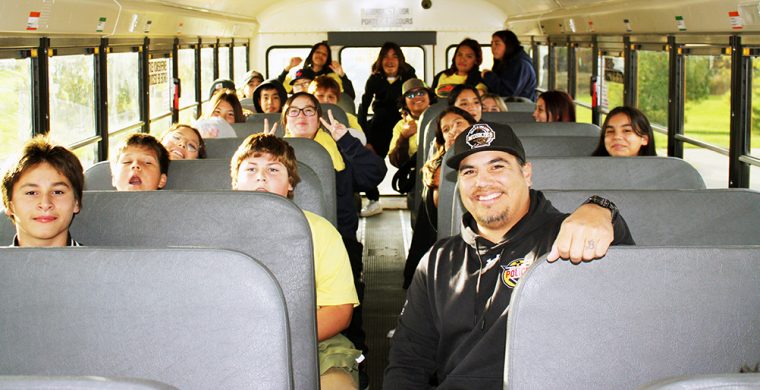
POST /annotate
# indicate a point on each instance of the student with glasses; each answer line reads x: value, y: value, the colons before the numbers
x: 415, y: 99
x: 356, y: 169
x: 184, y: 142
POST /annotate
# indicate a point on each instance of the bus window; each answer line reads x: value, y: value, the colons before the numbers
x: 754, y: 171
x: 207, y: 72
x: 159, y: 126
x: 241, y: 64
x: 207, y: 76
x: 652, y: 92
x: 357, y: 63
x: 707, y: 114
x: 584, y: 65
x: 15, y: 95
x: 72, y: 103
x: 560, y: 67
x: 123, y: 95
x: 543, y: 67
x: 160, y: 75
x: 224, y: 62
x: 279, y: 57
x: 186, y: 58
x: 612, y: 82
x: 487, y: 56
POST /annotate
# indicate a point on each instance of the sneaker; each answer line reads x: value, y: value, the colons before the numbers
x: 373, y: 208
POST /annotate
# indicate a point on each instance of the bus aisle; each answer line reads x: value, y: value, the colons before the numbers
x: 386, y: 239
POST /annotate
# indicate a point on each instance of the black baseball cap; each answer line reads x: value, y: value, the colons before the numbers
x: 486, y: 136
x: 303, y: 73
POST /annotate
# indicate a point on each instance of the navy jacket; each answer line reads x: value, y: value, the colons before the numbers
x: 364, y: 171
x: 513, y: 76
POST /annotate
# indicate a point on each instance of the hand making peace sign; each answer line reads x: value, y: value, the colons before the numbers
x: 336, y: 129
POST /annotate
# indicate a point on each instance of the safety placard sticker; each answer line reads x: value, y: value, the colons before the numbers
x: 737, y: 23
x: 33, y: 22
x: 101, y: 24
x: 680, y: 23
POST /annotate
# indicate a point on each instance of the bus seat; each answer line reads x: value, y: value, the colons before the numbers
x: 642, y: 173
x: 247, y: 103
x: 638, y: 315
x: 221, y: 148
x: 521, y: 106
x: 428, y: 116
x: 672, y: 217
x: 708, y: 382
x: 316, y: 157
x: 581, y: 173
x: 18, y: 382
x: 560, y: 145
x: 507, y: 117
x: 552, y: 129
x: 347, y: 104
x: 425, y: 145
x: 214, y: 174
x: 194, y: 318
x: 264, y: 226
x: 255, y: 124
x: 679, y: 217
x: 338, y: 113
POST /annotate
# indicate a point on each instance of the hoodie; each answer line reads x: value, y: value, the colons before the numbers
x: 454, y: 323
x: 268, y: 85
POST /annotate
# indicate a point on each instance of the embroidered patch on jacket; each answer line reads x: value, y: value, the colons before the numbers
x: 513, y: 271
x: 480, y: 135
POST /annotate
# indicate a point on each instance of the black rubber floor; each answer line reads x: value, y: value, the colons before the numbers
x: 385, y: 253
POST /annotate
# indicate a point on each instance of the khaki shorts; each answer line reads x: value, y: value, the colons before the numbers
x: 339, y: 352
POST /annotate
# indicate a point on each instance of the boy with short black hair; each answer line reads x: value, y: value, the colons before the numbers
x: 42, y: 192
x: 266, y: 163
x: 269, y: 97
x: 141, y: 164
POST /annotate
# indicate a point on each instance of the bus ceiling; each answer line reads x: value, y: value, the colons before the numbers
x: 245, y: 18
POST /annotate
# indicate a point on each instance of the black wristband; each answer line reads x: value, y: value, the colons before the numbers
x: 603, y: 202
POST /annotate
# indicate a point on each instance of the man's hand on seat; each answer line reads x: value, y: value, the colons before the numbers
x: 585, y: 235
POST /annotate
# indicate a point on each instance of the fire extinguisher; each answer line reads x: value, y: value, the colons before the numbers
x: 594, y: 93
x: 176, y: 92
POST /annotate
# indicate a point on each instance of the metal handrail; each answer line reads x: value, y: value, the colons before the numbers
x: 84, y: 142
x: 751, y: 160
x: 702, y: 144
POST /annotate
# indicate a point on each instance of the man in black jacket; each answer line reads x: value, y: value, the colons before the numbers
x: 452, y: 330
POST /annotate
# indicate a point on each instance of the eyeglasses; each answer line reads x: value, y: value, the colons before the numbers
x: 414, y: 94
x: 302, y: 84
x: 189, y: 145
x: 307, y: 111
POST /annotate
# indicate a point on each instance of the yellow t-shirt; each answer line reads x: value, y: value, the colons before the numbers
x: 325, y: 139
x: 447, y: 83
x: 353, y: 122
x: 397, y: 129
x: 332, y: 268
